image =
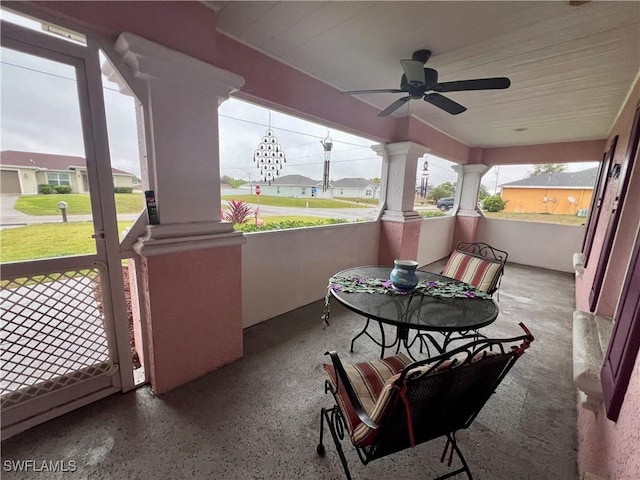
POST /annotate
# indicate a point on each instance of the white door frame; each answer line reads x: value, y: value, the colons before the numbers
x: 85, y: 60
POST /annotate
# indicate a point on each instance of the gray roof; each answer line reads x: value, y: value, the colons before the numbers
x: 351, y: 183
x: 583, y: 178
x: 299, y: 180
x: 302, y: 181
x: 46, y: 161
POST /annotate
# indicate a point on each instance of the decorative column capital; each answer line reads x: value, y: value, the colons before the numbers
x: 472, y: 168
x: 405, y: 149
x: 151, y: 61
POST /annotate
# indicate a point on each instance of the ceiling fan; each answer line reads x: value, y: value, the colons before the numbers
x: 417, y: 81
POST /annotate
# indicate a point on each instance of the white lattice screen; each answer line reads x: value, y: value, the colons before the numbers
x: 51, y: 332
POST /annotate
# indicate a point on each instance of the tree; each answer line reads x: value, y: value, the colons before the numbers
x: 446, y: 189
x: 234, y: 182
x: 540, y: 168
x: 375, y: 180
x: 484, y: 193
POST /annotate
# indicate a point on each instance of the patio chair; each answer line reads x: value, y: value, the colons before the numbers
x: 389, y: 405
x: 477, y: 264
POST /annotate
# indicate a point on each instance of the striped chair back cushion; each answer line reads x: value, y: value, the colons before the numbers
x: 482, y: 274
x: 373, y: 385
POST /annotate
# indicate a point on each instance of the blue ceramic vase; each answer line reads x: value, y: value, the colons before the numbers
x: 403, y: 276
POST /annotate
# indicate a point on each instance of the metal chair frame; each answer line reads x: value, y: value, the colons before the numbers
x: 420, y: 411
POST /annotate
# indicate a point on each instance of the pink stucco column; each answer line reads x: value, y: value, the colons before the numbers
x: 191, y: 261
x: 400, y: 229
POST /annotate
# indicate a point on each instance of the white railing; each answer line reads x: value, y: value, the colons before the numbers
x: 285, y: 269
x: 544, y: 245
x: 436, y: 236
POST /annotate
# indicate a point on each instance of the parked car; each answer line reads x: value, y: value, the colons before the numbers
x: 445, y: 203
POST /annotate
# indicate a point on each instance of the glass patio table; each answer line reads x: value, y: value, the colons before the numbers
x: 428, y: 309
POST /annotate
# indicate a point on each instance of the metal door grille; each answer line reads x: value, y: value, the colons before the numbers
x: 51, y: 332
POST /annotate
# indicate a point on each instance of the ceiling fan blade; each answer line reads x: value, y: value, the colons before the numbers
x: 440, y: 101
x: 394, y: 106
x: 497, y: 83
x: 414, y: 71
x: 362, y: 92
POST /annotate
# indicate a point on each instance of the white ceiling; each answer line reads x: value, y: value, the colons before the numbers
x: 570, y: 67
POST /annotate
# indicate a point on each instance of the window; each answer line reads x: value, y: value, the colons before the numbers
x: 341, y: 191
x: 58, y: 179
x: 277, y: 189
x: 304, y: 191
x: 368, y: 193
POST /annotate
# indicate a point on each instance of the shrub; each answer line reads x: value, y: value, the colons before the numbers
x: 238, y: 212
x: 494, y: 203
x: 286, y: 224
x: 62, y: 189
x: 45, y: 189
x: 122, y: 189
x: 432, y: 214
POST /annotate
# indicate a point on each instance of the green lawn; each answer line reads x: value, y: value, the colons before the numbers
x: 538, y: 217
x: 294, y: 202
x: 48, y: 240
x: 77, y: 203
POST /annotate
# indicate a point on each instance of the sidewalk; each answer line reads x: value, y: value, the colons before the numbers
x: 10, y: 217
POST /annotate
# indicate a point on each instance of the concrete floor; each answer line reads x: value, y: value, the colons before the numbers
x: 258, y: 418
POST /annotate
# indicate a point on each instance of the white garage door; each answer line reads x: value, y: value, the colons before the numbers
x: 10, y: 182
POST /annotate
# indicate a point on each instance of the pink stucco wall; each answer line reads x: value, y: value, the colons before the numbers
x: 608, y: 449
x: 612, y: 450
x: 587, y: 151
x: 465, y: 230
x: 194, y: 313
x: 135, y: 311
x: 398, y: 240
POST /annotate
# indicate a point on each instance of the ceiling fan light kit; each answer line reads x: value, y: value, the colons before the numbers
x: 419, y: 82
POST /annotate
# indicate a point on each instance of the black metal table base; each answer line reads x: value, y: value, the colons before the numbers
x: 426, y: 340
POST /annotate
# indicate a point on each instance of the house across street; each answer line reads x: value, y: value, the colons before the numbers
x: 22, y: 172
x: 560, y: 193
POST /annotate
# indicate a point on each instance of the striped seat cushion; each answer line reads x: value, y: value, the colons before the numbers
x: 482, y: 274
x: 373, y: 384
